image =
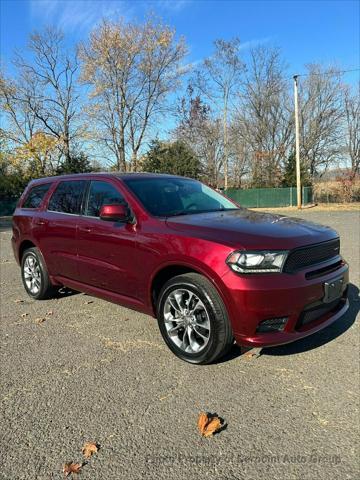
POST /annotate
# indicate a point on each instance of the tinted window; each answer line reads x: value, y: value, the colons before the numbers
x: 169, y: 196
x: 67, y: 197
x: 102, y: 193
x: 36, y: 195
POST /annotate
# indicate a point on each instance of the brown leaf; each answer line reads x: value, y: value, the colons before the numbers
x: 18, y: 300
x: 71, y: 467
x: 213, y: 426
x: 89, y: 449
x: 208, y: 425
x: 39, y: 320
x: 24, y: 315
x: 50, y: 312
x: 249, y: 355
x: 202, y: 422
x: 89, y: 301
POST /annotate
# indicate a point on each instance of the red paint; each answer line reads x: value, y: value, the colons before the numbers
x: 119, y: 261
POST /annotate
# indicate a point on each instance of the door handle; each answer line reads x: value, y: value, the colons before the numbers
x: 38, y: 221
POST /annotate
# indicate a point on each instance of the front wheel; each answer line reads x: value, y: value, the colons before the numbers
x: 193, y: 320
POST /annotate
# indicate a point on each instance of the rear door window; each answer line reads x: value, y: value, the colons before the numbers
x: 67, y: 197
x: 35, y: 196
x: 102, y: 193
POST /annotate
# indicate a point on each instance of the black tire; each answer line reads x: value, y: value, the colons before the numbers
x: 45, y: 289
x: 220, y: 337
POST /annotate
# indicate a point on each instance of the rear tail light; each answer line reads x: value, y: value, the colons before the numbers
x: 272, y: 325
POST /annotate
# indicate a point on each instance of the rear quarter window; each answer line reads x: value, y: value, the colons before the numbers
x: 35, y: 196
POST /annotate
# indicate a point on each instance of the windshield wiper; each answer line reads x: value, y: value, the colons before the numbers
x: 193, y: 212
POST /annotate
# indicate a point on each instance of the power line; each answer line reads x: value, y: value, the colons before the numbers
x: 327, y: 73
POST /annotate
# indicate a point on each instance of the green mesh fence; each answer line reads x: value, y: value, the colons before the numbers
x: 269, y: 197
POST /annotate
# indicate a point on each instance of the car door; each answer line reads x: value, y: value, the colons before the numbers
x: 60, y: 218
x: 106, y: 249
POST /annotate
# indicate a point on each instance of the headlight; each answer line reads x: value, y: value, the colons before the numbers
x: 257, y: 262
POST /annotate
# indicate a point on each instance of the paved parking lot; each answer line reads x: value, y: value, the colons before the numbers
x: 95, y: 371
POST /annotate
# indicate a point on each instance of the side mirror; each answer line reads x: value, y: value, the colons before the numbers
x: 114, y: 213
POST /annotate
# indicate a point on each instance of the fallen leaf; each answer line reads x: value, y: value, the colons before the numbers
x: 202, y: 422
x: 39, y: 320
x: 24, y: 315
x: 89, y: 449
x: 253, y: 353
x: 248, y: 355
x: 89, y: 301
x: 323, y: 421
x: 208, y: 425
x: 18, y: 300
x: 71, y: 467
x: 213, y: 426
x: 50, y: 312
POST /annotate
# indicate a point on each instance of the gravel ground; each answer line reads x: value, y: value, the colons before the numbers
x: 95, y: 371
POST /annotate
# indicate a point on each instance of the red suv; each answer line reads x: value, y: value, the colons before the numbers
x: 173, y: 248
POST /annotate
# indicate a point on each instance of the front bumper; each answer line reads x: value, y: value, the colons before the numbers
x: 257, y: 298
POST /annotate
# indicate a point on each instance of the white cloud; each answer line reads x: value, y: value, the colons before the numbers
x: 81, y: 15
x: 76, y: 15
x: 253, y: 43
x: 172, y: 5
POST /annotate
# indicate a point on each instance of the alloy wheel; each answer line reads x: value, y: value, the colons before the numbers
x: 32, y: 274
x: 186, y: 320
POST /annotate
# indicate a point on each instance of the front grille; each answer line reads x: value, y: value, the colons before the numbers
x: 317, y: 312
x: 324, y: 270
x: 311, y: 255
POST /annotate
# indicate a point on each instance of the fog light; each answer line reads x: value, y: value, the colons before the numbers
x: 272, y: 325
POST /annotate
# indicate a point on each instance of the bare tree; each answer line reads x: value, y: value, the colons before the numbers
x: 352, y: 115
x: 202, y: 132
x: 131, y: 69
x: 321, y: 118
x: 48, y: 87
x: 32, y: 152
x: 218, y: 79
x: 264, y: 120
x: 19, y: 121
x: 240, y: 156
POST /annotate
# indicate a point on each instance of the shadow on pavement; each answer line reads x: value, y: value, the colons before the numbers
x: 63, y: 292
x: 324, y: 336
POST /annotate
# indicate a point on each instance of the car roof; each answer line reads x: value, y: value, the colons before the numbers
x: 123, y: 176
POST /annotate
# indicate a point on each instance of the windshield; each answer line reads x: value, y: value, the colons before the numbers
x: 167, y: 196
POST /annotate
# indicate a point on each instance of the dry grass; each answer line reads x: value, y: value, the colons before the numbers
x: 337, y: 191
x: 321, y: 207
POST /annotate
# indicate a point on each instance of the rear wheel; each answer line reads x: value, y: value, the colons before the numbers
x: 35, y: 276
x: 193, y: 320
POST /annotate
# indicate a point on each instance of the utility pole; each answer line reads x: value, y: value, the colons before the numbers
x: 297, y: 141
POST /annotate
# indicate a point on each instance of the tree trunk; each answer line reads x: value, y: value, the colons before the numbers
x: 134, y: 161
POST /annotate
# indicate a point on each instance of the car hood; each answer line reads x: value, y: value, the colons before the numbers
x: 251, y: 230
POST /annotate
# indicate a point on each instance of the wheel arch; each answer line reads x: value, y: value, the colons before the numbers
x: 24, y: 245
x: 166, y: 272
